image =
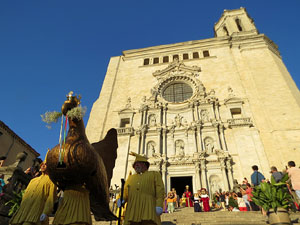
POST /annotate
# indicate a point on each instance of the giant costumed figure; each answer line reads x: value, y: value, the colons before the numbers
x: 144, y: 194
x: 78, y: 168
x: 188, y: 196
x: 37, y: 202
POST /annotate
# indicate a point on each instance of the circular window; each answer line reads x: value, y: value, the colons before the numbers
x: 177, y: 92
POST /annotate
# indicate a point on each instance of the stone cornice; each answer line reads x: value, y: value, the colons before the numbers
x: 181, y: 47
x: 250, y: 42
x: 247, y: 41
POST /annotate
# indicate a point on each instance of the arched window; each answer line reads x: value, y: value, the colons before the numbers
x: 239, y: 25
x: 177, y: 92
x: 225, y: 31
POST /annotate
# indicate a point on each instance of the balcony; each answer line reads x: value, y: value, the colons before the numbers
x: 125, y: 131
x: 240, y: 122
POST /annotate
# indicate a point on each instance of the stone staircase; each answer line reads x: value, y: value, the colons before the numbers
x: 187, y: 216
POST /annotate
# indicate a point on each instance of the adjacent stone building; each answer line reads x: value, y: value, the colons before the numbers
x: 203, y: 111
x: 11, y: 144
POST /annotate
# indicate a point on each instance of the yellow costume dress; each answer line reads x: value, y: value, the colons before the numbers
x: 74, y: 208
x: 143, y: 192
x: 38, y: 198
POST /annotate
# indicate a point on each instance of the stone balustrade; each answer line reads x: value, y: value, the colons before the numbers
x: 240, y: 122
x: 125, y: 131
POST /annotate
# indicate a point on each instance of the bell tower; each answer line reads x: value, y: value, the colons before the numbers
x: 235, y: 22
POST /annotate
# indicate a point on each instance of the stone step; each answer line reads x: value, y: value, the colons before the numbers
x: 187, y: 216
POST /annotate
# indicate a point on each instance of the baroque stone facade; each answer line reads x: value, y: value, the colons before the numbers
x: 203, y: 111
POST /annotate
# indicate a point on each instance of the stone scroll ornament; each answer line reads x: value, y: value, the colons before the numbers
x: 74, y: 164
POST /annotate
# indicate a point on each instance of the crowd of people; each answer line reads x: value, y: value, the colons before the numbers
x: 199, y: 200
x: 239, y: 199
x: 145, y: 198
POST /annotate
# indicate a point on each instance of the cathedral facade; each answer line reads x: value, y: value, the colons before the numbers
x: 203, y: 111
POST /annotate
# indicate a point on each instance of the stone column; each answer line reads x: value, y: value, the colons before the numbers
x: 218, y: 141
x: 195, y: 141
x: 217, y: 110
x: 143, y: 140
x: 223, y: 141
x: 145, y: 115
x: 201, y: 147
x: 197, y: 110
x: 128, y: 149
x: 230, y: 173
x: 158, y: 149
x: 164, y: 174
x: 192, y: 106
x: 138, y: 134
x: 222, y: 163
x: 165, y: 115
x: 203, y: 173
x: 187, y: 149
x: 164, y: 131
x: 197, y: 176
x: 172, y: 151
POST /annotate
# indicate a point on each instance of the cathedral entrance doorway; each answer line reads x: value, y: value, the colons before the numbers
x: 179, y: 184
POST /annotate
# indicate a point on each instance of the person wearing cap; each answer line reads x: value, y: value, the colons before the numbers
x: 37, y: 202
x: 275, y: 174
x: 144, y: 194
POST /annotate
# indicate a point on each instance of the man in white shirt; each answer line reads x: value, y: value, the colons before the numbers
x: 294, y: 174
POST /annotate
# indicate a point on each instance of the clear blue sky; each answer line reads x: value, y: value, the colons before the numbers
x: 50, y: 47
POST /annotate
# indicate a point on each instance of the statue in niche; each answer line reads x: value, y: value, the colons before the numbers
x: 143, y: 101
x: 151, y: 148
x: 178, y: 120
x: 215, y: 184
x: 185, y: 123
x: 209, y: 145
x: 212, y: 92
x: 128, y: 103
x: 204, y: 116
x: 179, y: 148
x: 230, y: 92
x: 152, y: 120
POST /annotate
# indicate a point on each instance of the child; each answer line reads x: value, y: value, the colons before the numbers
x: 183, y: 200
x: 227, y: 201
x: 197, y: 207
x: 205, y: 200
x: 170, y: 202
x: 241, y: 202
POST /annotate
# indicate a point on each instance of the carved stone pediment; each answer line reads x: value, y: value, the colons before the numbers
x: 233, y: 100
x: 127, y: 108
x: 181, y: 160
x: 177, y: 67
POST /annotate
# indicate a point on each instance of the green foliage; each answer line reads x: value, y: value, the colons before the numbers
x: 215, y: 198
x: 15, y: 202
x: 76, y: 113
x: 233, y: 203
x: 273, y: 195
x: 51, y: 117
